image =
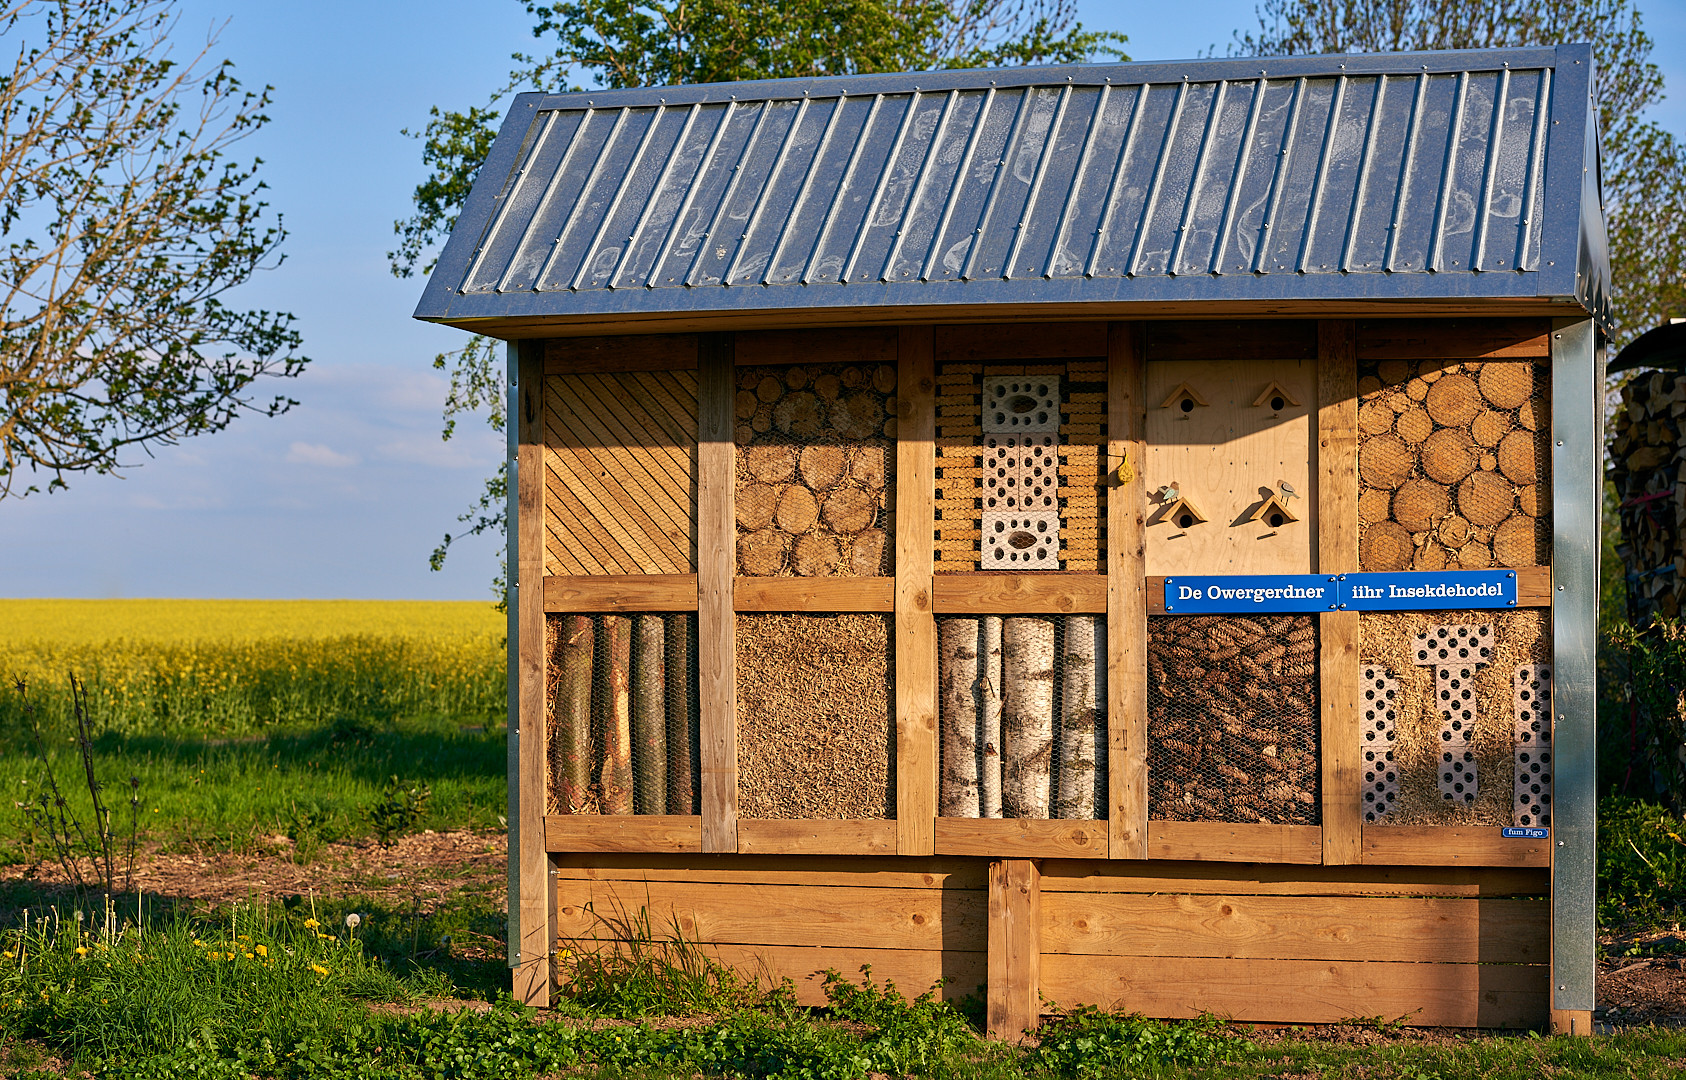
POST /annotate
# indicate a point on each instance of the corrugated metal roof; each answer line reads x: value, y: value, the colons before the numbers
x: 1453, y: 175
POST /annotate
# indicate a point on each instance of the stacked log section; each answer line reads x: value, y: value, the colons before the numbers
x: 621, y: 714
x: 1028, y: 659
x: 1386, y: 641
x: 815, y: 470
x: 1233, y: 719
x: 816, y: 730
x: 1082, y: 462
x: 1647, y: 460
x: 1451, y: 456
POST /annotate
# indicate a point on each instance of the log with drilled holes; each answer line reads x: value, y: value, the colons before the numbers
x: 958, y: 690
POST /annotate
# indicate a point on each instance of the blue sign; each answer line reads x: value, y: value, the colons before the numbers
x: 1510, y: 833
x: 1230, y: 594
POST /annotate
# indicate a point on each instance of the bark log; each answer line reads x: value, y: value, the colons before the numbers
x: 849, y: 510
x: 822, y: 466
x: 771, y: 463
x: 682, y: 734
x: 797, y: 510
x: 1518, y: 457
x: 1082, y: 716
x: 1507, y: 384
x: 1385, y: 546
x: 755, y: 504
x: 649, y: 715
x: 1453, y: 400
x: 1449, y: 455
x: 1489, y: 427
x: 989, y: 718
x: 1027, y: 716
x: 1418, y: 504
x: 762, y: 554
x: 1385, y: 461
x: 814, y: 555
x: 1414, y: 426
x: 570, y: 736
x: 614, y: 709
x: 957, y: 710
x: 1486, y: 499
x: 866, y: 556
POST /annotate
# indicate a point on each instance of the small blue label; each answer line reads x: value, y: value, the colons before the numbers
x: 1421, y: 591
x: 1250, y: 592
x: 1406, y: 591
x: 1512, y: 833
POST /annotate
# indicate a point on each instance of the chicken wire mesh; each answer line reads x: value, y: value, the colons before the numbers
x: 1021, y: 712
x: 621, y: 712
x: 1233, y: 726
x: 816, y: 470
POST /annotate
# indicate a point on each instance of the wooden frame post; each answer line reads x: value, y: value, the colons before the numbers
x: 717, y: 631
x: 916, y: 628
x: 1015, y: 948
x: 1126, y: 593
x: 1337, y: 553
x: 529, y: 907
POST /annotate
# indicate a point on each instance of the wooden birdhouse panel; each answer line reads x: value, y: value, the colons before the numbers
x: 620, y: 473
x: 1237, y: 441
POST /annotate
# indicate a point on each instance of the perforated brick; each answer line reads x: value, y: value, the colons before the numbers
x: 1021, y: 541
x: 1375, y: 743
x: 1021, y: 472
x: 1015, y: 404
x: 1531, y: 797
x: 1457, y: 643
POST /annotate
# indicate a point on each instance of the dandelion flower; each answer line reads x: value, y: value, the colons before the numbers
x: 353, y: 920
x: 81, y: 950
x: 319, y: 969
x: 311, y: 924
x: 260, y: 950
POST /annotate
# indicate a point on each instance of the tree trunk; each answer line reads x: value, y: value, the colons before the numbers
x: 1027, y: 716
x: 989, y: 718
x: 1082, y: 715
x: 615, y: 716
x: 681, y: 736
x: 570, y: 738
x: 649, y: 715
x: 957, y: 710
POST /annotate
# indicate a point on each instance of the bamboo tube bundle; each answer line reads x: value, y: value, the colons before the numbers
x: 1082, y: 737
x: 1646, y: 455
x: 1027, y: 715
x: 649, y: 714
x: 613, y: 714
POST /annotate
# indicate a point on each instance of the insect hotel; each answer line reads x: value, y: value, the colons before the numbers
x: 1102, y: 534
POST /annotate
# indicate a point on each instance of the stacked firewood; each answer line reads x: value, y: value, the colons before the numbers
x: 815, y: 464
x: 1647, y: 462
x: 1233, y: 719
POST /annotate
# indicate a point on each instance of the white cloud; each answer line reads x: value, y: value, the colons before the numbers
x: 303, y: 453
x: 480, y: 451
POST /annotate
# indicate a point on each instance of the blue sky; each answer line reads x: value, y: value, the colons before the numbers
x: 346, y: 495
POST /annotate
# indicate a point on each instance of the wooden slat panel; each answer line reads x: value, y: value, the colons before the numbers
x: 1302, y: 991
x: 1014, y: 1004
x: 1432, y: 845
x: 1533, y: 589
x: 1021, y: 837
x: 1452, y: 339
x: 805, y: 915
x: 916, y: 629
x: 814, y: 594
x: 886, y: 872
x: 620, y: 592
x: 604, y: 832
x: 1126, y: 624
x: 532, y: 950
x: 634, y: 352
x: 1224, y: 842
x: 1232, y: 339
x: 854, y: 345
x: 717, y: 627
x: 1286, y: 880
x: 1021, y: 341
x: 1414, y: 929
x: 1018, y: 594
x: 913, y: 971
x: 850, y: 837
x: 1338, y: 696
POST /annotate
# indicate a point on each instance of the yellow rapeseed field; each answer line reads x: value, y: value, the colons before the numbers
x: 234, y: 665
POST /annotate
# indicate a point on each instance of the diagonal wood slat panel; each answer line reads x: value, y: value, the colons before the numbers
x: 620, y: 457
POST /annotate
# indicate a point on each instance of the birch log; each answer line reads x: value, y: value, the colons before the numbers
x: 614, y: 781
x: 1027, y: 715
x: 649, y: 715
x: 681, y: 739
x: 989, y: 718
x: 957, y: 710
x: 1082, y: 715
x: 570, y: 738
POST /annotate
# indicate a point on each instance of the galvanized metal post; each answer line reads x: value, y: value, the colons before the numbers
x: 1576, y: 465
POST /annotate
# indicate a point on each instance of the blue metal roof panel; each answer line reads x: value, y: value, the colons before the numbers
x: 1451, y: 175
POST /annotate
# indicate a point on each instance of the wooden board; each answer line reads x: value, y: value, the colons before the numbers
x: 1020, y: 341
x: 604, y: 832
x: 1414, y: 929
x: 880, y: 872
x: 1302, y: 991
x: 916, y: 629
x: 1020, y: 838
x: 1438, y: 845
x: 1018, y: 594
x: 1014, y: 1002
x: 1232, y: 339
x: 1224, y: 457
x: 531, y: 950
x: 1338, y: 696
x: 786, y: 837
x: 1264, y: 879
x: 1216, y: 841
x: 633, y: 352
x: 913, y: 971
x: 1452, y: 339
x: 854, y: 345
x: 814, y: 594
x: 717, y: 695
x: 620, y: 592
x: 1126, y: 568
